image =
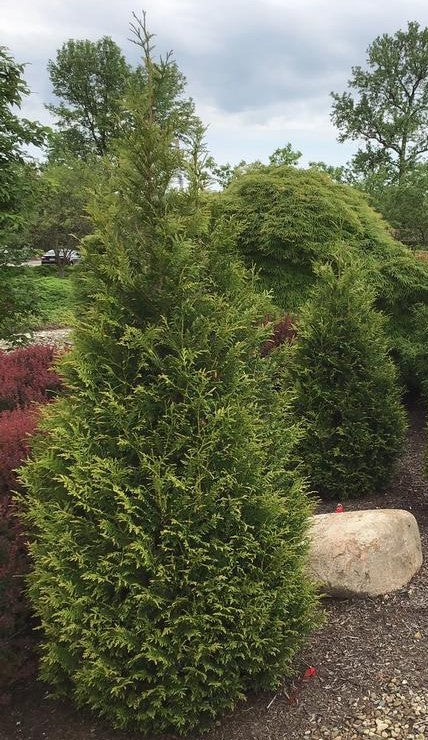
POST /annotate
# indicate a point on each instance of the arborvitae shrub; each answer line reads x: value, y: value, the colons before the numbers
x: 168, y: 537
x: 27, y: 376
x: 346, y: 388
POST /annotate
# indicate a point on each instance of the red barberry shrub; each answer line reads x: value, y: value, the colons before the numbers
x: 283, y: 331
x: 27, y: 376
x: 27, y: 380
x: 17, y: 659
x: 15, y: 429
x: 16, y: 656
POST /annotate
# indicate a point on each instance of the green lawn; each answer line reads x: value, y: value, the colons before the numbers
x: 51, y: 295
x: 54, y: 300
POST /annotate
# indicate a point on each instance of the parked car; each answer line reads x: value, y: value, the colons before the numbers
x: 64, y: 256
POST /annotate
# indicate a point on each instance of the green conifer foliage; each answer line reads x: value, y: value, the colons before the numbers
x: 168, y: 537
x: 287, y: 219
x: 346, y: 387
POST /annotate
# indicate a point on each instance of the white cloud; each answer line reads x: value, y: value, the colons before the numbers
x: 260, y: 72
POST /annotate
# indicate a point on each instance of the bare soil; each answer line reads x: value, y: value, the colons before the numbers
x: 371, y: 658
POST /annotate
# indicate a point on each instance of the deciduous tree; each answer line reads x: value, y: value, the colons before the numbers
x: 16, y: 181
x: 386, y: 106
x: 90, y: 79
x: 59, y: 219
x: 285, y: 155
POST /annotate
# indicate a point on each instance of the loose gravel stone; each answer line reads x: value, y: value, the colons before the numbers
x: 408, y: 721
x: 57, y: 337
x: 60, y: 338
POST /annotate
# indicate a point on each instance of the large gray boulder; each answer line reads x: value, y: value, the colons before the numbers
x: 364, y: 553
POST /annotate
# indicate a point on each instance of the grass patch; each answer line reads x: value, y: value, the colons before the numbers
x: 51, y: 295
x: 54, y: 301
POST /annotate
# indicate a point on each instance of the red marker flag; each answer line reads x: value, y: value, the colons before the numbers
x: 310, y: 672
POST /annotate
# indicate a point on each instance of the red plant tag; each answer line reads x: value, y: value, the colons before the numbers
x: 310, y: 672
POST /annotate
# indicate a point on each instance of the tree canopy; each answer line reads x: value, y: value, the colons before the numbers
x: 387, y: 105
x: 286, y: 219
x: 15, y: 134
x: 284, y: 155
x: 90, y: 79
x: 17, y: 179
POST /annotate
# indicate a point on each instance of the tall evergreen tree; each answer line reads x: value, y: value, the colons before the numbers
x: 167, y: 535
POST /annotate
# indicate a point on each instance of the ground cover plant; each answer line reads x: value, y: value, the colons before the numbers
x: 347, y: 393
x: 167, y: 531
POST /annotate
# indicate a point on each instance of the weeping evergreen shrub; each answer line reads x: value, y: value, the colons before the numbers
x: 167, y: 535
x: 346, y: 387
x: 287, y: 219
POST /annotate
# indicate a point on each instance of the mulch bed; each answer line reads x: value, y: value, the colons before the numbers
x: 371, y: 659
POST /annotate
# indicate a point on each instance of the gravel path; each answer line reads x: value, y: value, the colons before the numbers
x: 59, y: 338
x: 371, y: 660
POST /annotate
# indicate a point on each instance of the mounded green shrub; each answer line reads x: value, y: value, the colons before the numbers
x: 287, y: 219
x: 346, y: 388
x: 167, y: 536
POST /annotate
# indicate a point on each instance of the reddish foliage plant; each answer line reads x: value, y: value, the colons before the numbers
x: 16, y: 657
x: 283, y: 331
x: 15, y: 429
x: 27, y: 376
x: 26, y: 380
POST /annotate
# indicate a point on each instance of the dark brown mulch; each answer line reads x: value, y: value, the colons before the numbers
x: 362, y: 647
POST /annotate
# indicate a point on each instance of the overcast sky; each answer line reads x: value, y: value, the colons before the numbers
x: 260, y: 71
